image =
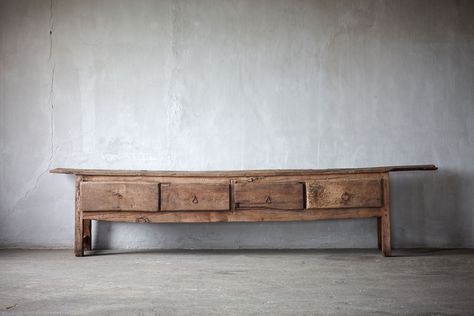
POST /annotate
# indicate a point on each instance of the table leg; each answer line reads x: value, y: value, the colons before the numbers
x: 385, y: 219
x: 79, y: 222
x: 379, y: 232
x: 87, y: 234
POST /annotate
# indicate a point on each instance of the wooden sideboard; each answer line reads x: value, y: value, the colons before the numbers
x: 232, y: 196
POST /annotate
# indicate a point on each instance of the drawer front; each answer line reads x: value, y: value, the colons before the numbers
x: 285, y: 196
x: 344, y: 193
x: 119, y: 196
x: 195, y: 197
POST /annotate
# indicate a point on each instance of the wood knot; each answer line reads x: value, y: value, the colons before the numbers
x: 345, y: 196
x: 253, y: 179
x: 119, y: 195
x: 315, y: 189
x: 143, y: 220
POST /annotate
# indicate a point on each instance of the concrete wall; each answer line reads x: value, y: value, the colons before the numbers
x: 204, y: 85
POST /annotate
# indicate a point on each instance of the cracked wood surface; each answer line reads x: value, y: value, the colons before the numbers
x: 250, y: 215
x: 119, y: 196
x: 283, y: 196
x: 195, y: 197
x: 241, y: 173
x: 343, y: 193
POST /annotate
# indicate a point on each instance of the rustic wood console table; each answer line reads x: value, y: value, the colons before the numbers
x: 232, y: 196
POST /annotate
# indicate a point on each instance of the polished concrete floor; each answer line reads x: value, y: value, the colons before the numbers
x: 306, y: 282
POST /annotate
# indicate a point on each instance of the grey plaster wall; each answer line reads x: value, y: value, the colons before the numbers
x: 205, y: 85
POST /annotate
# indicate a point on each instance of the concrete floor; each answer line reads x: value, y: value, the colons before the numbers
x: 253, y: 282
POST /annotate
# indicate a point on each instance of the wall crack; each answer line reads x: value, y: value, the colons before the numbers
x: 52, y: 65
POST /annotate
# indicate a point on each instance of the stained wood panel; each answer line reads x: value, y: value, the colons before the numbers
x: 344, y: 193
x: 284, y: 196
x: 119, y: 196
x: 195, y: 197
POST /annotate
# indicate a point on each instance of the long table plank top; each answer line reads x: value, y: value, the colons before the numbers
x: 239, y: 173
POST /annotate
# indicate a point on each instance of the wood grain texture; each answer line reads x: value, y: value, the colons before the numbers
x: 385, y: 218
x: 195, y: 197
x: 255, y: 215
x: 282, y: 196
x: 242, y: 173
x: 119, y: 196
x: 344, y: 193
x: 87, y: 239
x: 79, y: 223
x: 233, y: 196
x: 230, y: 180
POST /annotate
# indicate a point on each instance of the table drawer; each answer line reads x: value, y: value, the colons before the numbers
x: 195, y: 197
x: 119, y: 196
x: 285, y: 196
x: 344, y: 193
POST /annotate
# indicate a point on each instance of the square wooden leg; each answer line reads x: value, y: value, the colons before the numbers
x: 385, y: 220
x: 79, y: 223
x: 386, y: 242
x: 87, y: 239
x: 78, y: 238
x: 379, y: 233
